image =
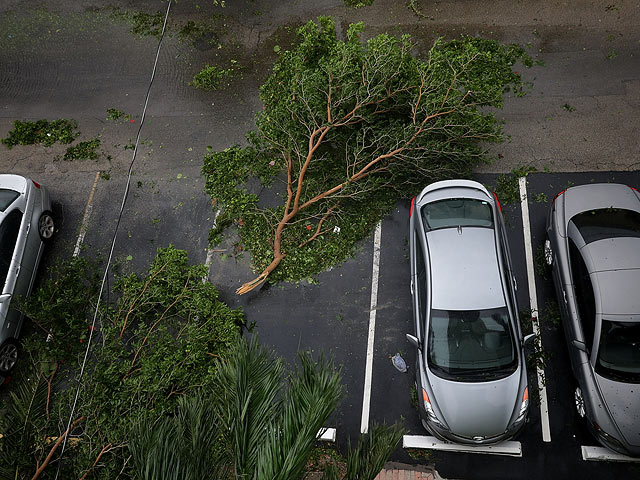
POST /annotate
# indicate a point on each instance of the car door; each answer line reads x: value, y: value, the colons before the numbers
x: 10, y: 257
x: 419, y: 287
x: 581, y: 305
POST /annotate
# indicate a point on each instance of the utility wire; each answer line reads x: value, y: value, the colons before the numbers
x: 113, y: 241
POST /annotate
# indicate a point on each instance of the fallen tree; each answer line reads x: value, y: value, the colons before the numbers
x: 353, y: 126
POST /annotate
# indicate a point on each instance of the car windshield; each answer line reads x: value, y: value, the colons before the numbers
x: 619, y: 351
x: 471, y: 346
x: 454, y: 212
x: 607, y: 223
x: 6, y: 198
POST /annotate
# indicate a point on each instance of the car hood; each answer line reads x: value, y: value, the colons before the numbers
x: 479, y: 408
x: 622, y: 402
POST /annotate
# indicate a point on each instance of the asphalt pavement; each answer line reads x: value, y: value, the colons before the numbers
x: 69, y: 60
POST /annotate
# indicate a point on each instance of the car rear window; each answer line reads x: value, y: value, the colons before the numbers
x: 7, y: 197
x: 607, y: 223
x: 457, y: 212
x: 471, y: 346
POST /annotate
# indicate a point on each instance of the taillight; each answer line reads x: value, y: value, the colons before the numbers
x: 37, y: 185
x: 413, y: 200
x: 558, y: 194
x: 632, y: 188
x: 497, y: 201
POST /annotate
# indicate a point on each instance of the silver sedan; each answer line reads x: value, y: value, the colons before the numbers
x: 593, y: 246
x: 471, y: 375
x: 26, y: 223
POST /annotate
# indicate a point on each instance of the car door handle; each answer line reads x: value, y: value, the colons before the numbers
x: 411, y: 287
x: 515, y: 283
x: 564, y: 296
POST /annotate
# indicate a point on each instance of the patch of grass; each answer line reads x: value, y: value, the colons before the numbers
x: 114, y: 114
x: 198, y: 33
x: 418, y: 454
x: 42, y: 132
x: 415, y: 8
x: 83, y: 151
x: 550, y: 314
x: 142, y: 24
x: 212, y: 77
x: 414, y: 396
x: 326, y: 456
x: 358, y: 3
x: 612, y: 54
x: 541, y: 198
x: 541, y: 266
x: 569, y: 108
x: 507, y: 187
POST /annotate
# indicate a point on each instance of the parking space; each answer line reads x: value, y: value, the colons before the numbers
x: 561, y: 457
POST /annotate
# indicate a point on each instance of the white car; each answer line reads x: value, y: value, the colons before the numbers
x: 26, y: 223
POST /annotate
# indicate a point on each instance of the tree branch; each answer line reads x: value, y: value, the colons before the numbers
x: 55, y: 447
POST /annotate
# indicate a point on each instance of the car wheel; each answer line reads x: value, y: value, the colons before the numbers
x: 8, y: 356
x: 548, y: 253
x: 579, y: 400
x: 46, y: 226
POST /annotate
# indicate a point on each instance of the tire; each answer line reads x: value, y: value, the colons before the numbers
x: 9, y: 353
x: 46, y: 226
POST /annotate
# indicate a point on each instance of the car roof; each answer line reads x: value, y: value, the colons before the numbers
x: 614, y: 267
x: 464, y: 269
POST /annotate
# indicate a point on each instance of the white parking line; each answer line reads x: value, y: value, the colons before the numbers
x: 606, y: 455
x: 366, y: 400
x: 85, y: 217
x: 528, y: 251
x: 508, y: 448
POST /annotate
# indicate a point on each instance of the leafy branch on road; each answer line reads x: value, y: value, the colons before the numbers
x: 348, y: 128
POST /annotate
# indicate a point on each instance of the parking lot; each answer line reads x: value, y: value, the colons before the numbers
x: 359, y: 311
x: 332, y: 316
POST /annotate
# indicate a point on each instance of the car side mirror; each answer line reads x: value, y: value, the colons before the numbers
x: 580, y: 346
x: 413, y: 340
x: 529, y: 339
x: 4, y: 297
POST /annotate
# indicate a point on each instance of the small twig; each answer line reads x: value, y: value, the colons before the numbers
x: 104, y: 450
x: 318, y: 232
x: 126, y: 318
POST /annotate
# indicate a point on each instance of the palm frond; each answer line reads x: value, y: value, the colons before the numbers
x: 313, y: 393
x: 24, y: 417
x: 366, y: 460
x: 246, y: 397
x: 180, y: 447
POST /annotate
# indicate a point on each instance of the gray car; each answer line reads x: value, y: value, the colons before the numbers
x: 26, y: 223
x: 471, y: 376
x: 593, y: 245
